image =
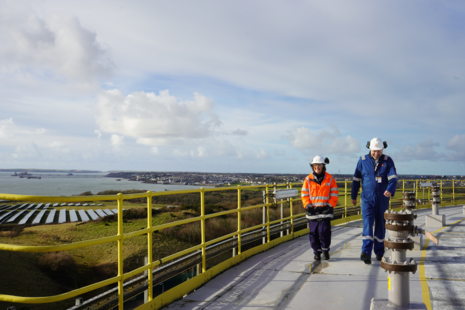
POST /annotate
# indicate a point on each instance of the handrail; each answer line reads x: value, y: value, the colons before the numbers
x: 120, y: 236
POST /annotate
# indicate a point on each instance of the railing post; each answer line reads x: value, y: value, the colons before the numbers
x: 291, y: 206
x: 345, y: 194
x: 239, y: 219
x: 267, y: 200
x: 441, y: 192
x: 345, y: 199
x: 268, y: 222
x: 149, y: 287
x: 202, y: 226
x: 453, y: 191
x: 288, y: 200
x: 403, y: 185
x: 120, y: 252
x: 149, y: 245
x: 77, y: 302
x: 429, y: 193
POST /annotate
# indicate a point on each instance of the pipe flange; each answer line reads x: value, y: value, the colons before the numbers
x: 408, y: 245
x: 399, y: 227
x: 408, y: 199
x: 399, y: 268
x: 399, y: 217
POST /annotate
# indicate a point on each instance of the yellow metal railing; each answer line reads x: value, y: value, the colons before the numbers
x: 120, y: 237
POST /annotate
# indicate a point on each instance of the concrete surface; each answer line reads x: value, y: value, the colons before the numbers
x: 435, y: 220
x: 287, y: 277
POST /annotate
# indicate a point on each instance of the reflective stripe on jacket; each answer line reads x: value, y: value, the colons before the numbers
x: 319, y: 200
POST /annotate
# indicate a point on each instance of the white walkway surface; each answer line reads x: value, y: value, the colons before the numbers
x: 286, y: 277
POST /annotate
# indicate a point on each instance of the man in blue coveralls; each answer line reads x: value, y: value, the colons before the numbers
x: 378, y: 177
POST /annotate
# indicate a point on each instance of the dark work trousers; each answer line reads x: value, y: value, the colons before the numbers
x: 320, y: 235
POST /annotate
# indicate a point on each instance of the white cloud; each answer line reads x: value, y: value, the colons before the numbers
x: 117, y: 140
x: 200, y: 152
x: 5, y: 127
x: 424, y: 150
x: 262, y: 154
x: 29, y: 150
x: 9, y: 129
x: 40, y: 131
x: 99, y: 134
x: 50, y: 47
x: 179, y: 153
x: 457, y: 146
x: 154, y: 150
x: 59, y: 146
x: 323, y: 142
x: 156, y: 119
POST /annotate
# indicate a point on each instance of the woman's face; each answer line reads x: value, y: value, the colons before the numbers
x: 318, y: 168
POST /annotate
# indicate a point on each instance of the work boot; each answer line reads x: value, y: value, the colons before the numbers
x: 379, y: 257
x: 366, y: 259
x: 325, y: 255
x: 317, y: 256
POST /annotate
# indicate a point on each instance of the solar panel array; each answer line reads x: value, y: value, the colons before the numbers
x: 47, y: 214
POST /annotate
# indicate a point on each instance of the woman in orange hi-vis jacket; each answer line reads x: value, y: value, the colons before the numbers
x: 319, y: 197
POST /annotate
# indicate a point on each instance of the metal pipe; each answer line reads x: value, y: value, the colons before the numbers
x: 399, y: 226
x: 399, y: 292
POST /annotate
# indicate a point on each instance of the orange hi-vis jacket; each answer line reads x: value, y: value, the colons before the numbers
x: 315, y: 196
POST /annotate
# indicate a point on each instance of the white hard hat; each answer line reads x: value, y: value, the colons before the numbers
x: 320, y: 160
x: 376, y: 144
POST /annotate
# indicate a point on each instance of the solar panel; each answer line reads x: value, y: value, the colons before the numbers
x: 73, y: 216
x: 62, y: 216
x: 100, y: 213
x: 92, y: 214
x: 83, y: 215
x: 51, y: 216
x: 108, y: 212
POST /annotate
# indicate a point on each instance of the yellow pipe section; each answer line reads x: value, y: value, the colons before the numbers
x: 149, y: 244
x: 202, y: 227
x: 120, y: 252
x: 239, y: 220
x: 291, y: 209
x: 49, y: 299
x: 56, y: 248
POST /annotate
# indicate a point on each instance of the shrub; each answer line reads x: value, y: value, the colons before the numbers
x: 105, y: 270
x: 57, y: 262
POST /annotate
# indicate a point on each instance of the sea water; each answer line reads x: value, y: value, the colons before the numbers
x: 67, y: 186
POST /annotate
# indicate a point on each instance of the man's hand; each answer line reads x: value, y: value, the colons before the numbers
x: 354, y: 202
x: 387, y: 194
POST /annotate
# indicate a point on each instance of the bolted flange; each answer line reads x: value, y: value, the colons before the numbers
x: 402, y: 267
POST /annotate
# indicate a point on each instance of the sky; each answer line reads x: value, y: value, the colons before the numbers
x: 231, y: 86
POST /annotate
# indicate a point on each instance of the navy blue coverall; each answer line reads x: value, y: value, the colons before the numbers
x: 375, y: 180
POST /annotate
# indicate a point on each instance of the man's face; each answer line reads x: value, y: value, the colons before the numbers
x: 376, y: 154
x: 318, y: 168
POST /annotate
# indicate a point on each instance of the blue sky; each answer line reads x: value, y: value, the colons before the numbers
x: 231, y: 86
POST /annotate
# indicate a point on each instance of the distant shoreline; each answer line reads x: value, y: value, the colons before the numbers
x: 50, y: 170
